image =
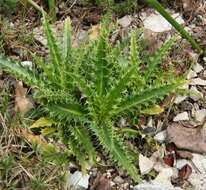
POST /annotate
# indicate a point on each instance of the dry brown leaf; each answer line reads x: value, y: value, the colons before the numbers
x: 185, y: 172
x: 22, y: 103
x: 193, y: 139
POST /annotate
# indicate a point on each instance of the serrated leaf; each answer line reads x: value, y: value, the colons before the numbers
x: 47, y: 130
x: 154, y: 110
x: 42, y: 122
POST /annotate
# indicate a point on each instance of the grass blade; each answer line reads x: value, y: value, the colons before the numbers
x: 155, y: 4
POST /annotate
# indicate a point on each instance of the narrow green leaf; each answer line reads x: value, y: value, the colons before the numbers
x: 155, y: 60
x: 75, y: 109
x: 115, y: 93
x: 67, y: 41
x: 146, y: 95
x: 24, y: 73
x: 102, y: 66
x: 54, y: 50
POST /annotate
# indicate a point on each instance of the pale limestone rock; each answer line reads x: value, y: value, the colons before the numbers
x: 145, y: 164
x: 194, y: 96
x: 77, y: 180
x: 118, y: 180
x: 200, y: 115
x: 198, y: 68
x: 161, y: 136
x: 191, y: 74
x: 179, y: 99
x: 198, y: 81
x: 158, y: 23
x: 157, y: 186
x: 125, y: 21
x: 198, y: 181
x: 181, y: 117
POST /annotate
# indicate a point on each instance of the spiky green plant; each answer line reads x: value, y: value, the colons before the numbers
x: 86, y: 89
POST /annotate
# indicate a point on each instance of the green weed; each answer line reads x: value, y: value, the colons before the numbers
x: 84, y: 91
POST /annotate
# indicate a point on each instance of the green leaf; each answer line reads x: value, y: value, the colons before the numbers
x: 75, y: 109
x: 154, y: 110
x: 24, y: 73
x: 67, y: 41
x: 42, y: 122
x: 155, y: 60
x: 115, y: 93
x: 114, y: 147
x: 147, y: 95
x: 102, y: 69
x: 54, y: 50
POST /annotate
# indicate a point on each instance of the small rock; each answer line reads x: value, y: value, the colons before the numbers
x: 196, y: 95
x: 118, y: 180
x: 125, y: 185
x: 125, y: 21
x: 158, y: 23
x: 156, y: 186
x: 27, y: 63
x: 112, y: 183
x: 198, y: 68
x: 164, y: 177
x: 161, y: 136
x: 78, y: 180
x: 194, y: 56
x: 181, y: 117
x: 192, y: 139
x: 198, y: 181
x: 179, y: 99
x: 198, y: 81
x: 204, y: 59
x: 191, y: 74
x: 200, y: 162
x: 145, y: 164
x: 200, y: 115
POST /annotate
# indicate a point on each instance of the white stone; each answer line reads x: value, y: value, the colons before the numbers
x: 179, y: 99
x: 198, y: 81
x: 156, y: 186
x: 200, y: 162
x: 161, y: 136
x: 181, y: 117
x: 191, y: 74
x: 78, y: 180
x: 193, y: 55
x: 27, y: 63
x: 164, y: 177
x: 182, y: 162
x: 204, y: 59
x: 198, y: 68
x: 112, y: 183
x: 118, y: 180
x: 200, y: 115
x: 125, y: 21
x: 145, y: 164
x: 197, y: 95
x: 198, y: 181
x: 158, y: 23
